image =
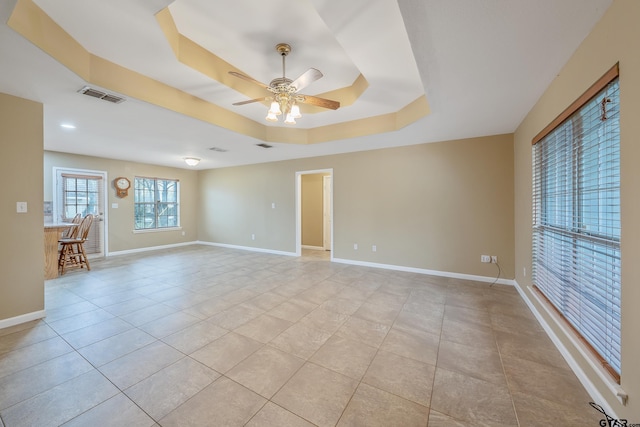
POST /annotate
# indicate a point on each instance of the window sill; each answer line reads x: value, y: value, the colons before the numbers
x: 156, y: 230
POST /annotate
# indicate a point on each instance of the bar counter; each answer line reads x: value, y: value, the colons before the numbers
x: 52, y: 232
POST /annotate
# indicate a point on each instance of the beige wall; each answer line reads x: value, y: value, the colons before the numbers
x: 615, y: 38
x: 432, y: 206
x: 120, y: 220
x: 312, y: 210
x: 22, y: 256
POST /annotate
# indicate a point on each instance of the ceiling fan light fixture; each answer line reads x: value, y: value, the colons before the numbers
x: 295, y: 111
x: 275, y: 109
x: 271, y: 117
x: 285, y: 92
x: 191, y: 161
x: 290, y: 120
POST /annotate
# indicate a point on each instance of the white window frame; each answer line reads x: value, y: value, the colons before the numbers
x: 136, y: 203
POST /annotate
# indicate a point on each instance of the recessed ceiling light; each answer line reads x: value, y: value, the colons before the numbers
x: 67, y: 126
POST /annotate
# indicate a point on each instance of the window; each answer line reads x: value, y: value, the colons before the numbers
x: 80, y: 195
x: 576, y: 218
x: 156, y: 203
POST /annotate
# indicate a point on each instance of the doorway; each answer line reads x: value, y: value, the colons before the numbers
x: 82, y: 192
x: 314, y: 211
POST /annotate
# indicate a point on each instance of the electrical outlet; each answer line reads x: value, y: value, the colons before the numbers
x: 485, y: 258
x: 524, y: 271
x: 373, y: 248
x: 494, y: 259
x: 253, y: 237
x: 355, y: 246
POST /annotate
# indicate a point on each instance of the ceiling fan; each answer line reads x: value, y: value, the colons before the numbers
x: 285, y: 92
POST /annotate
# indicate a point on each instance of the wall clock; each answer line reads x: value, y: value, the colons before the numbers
x: 122, y: 185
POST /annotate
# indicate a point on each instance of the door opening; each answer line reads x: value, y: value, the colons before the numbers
x: 82, y: 192
x: 314, y: 210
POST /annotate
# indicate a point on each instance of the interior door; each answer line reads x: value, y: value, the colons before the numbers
x: 84, y: 194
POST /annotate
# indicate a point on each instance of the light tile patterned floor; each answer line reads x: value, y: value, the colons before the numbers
x: 205, y: 336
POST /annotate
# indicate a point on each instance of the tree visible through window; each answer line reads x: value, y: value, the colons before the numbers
x: 576, y: 218
x: 80, y: 195
x: 156, y: 203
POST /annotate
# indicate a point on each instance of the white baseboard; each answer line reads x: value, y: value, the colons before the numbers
x: 314, y: 248
x: 589, y: 386
x: 151, y: 248
x: 338, y: 260
x: 23, y: 318
x: 425, y: 271
x: 248, y: 248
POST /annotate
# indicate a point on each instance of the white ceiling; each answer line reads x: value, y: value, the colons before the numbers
x: 482, y: 65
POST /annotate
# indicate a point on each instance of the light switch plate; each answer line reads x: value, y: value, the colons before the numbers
x: 21, y: 207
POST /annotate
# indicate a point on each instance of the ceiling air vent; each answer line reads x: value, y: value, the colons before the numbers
x: 264, y: 145
x: 218, y: 150
x: 101, y: 95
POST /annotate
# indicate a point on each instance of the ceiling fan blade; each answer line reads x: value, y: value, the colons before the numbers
x: 320, y: 102
x: 308, y: 77
x: 249, y: 79
x: 250, y: 101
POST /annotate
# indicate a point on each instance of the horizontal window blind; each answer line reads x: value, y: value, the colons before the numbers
x: 576, y: 221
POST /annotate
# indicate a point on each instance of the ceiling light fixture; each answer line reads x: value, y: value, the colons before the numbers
x: 284, y: 103
x: 285, y: 98
x: 67, y: 126
x: 284, y: 93
x: 191, y: 161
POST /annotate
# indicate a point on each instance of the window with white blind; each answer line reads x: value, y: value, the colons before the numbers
x: 156, y: 203
x: 576, y: 218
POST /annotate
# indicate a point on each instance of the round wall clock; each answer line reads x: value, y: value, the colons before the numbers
x: 122, y: 185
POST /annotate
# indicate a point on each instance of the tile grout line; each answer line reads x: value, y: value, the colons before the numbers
x: 504, y: 372
x: 370, y: 362
x: 94, y: 368
x: 120, y: 391
x: 435, y: 368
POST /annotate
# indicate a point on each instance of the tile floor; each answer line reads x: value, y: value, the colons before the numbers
x: 205, y: 336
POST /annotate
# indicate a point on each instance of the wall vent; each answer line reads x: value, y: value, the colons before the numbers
x: 263, y: 145
x: 89, y: 91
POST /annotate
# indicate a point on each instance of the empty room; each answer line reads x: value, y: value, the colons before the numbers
x: 319, y: 213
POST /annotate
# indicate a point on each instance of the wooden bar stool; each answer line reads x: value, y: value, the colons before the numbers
x: 72, y: 252
x: 72, y: 231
